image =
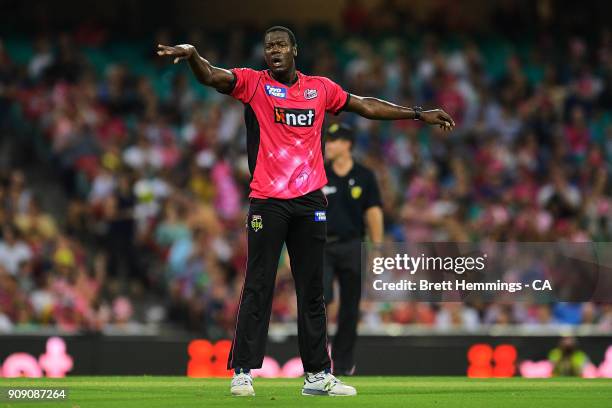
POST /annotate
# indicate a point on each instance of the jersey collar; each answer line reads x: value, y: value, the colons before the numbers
x: 298, y: 82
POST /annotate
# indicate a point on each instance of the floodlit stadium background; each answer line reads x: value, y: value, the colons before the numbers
x: 123, y: 182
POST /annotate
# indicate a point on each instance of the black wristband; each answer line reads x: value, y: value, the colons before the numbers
x: 417, y: 112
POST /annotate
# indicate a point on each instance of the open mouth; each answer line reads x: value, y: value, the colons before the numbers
x: 277, y: 61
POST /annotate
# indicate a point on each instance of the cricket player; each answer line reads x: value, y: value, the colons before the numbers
x: 284, y: 111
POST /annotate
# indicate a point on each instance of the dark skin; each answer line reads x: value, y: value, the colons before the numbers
x: 280, y: 54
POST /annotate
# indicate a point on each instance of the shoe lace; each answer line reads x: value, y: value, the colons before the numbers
x: 242, y: 379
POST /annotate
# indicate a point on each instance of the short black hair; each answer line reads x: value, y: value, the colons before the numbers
x: 285, y: 29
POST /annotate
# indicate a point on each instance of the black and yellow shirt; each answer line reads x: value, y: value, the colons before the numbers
x: 348, y: 199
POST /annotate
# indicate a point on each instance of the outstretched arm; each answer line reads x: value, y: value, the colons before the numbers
x: 374, y: 108
x: 206, y: 73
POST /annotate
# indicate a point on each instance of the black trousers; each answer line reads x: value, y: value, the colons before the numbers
x: 343, y: 261
x: 300, y: 223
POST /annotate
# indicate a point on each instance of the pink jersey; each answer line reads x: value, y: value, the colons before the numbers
x: 284, y: 140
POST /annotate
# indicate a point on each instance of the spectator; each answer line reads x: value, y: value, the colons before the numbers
x: 13, y: 251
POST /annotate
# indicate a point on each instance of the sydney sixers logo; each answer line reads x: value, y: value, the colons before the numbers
x: 310, y: 93
x: 298, y: 183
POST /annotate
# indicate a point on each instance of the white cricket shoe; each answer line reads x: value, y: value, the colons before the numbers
x: 324, y: 383
x: 242, y: 384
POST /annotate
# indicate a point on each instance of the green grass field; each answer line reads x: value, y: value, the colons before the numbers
x: 413, y: 392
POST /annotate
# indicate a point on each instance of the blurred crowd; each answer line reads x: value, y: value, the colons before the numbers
x: 154, y: 173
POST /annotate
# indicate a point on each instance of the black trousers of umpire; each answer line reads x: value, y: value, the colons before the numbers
x: 270, y: 223
x: 343, y: 261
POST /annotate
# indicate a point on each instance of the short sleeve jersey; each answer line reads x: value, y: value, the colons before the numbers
x: 349, y: 197
x: 284, y: 140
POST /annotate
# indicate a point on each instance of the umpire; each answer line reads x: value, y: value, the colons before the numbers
x: 354, y: 206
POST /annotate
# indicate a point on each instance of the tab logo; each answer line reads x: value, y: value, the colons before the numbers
x: 276, y: 91
x: 320, y: 216
x: 294, y: 117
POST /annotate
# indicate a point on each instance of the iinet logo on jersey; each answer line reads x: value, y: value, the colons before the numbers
x: 294, y: 117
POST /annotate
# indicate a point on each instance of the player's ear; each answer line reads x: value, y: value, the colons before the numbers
x: 295, y: 50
